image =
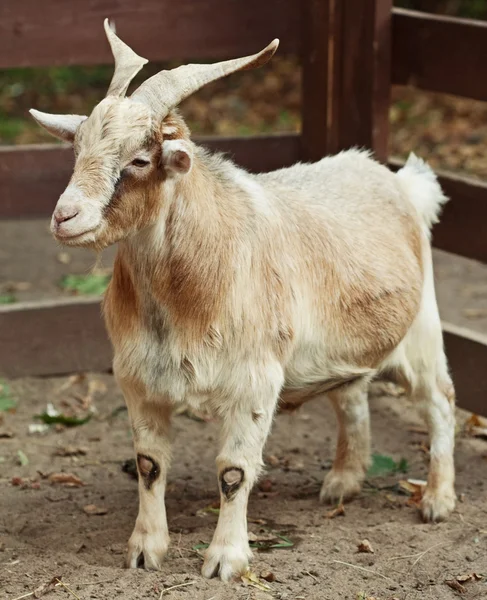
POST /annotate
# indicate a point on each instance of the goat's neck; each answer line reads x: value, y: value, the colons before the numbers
x: 186, y: 260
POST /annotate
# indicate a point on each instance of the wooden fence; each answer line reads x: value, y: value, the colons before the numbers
x: 352, y: 51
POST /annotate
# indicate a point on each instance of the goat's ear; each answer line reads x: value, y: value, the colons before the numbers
x: 61, y: 126
x: 177, y: 156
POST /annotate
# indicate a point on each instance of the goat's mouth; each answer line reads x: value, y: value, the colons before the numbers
x: 76, y: 238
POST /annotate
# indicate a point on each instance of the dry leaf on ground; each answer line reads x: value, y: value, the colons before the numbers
x: 93, y: 509
x: 338, y: 511
x: 469, y: 577
x: 268, y: 576
x: 44, y: 588
x: 250, y: 578
x: 365, y: 546
x: 67, y: 479
x: 455, y: 585
x: 415, y: 488
x: 71, y: 451
x: 476, y: 426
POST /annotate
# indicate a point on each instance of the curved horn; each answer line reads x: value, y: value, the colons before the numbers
x: 127, y: 63
x: 167, y: 89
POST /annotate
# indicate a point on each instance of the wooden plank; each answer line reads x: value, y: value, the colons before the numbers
x: 364, y: 74
x: 467, y: 354
x: 463, y: 225
x: 56, y: 32
x: 421, y: 53
x: 53, y: 338
x: 319, y: 94
x: 33, y: 177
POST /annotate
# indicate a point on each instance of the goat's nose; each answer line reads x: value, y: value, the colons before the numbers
x: 65, y: 214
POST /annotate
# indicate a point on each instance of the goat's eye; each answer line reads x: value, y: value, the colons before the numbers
x: 140, y: 162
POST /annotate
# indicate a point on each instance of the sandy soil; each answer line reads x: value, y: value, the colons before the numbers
x: 44, y: 531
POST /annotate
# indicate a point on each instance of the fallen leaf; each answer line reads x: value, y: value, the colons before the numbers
x: 22, y: 458
x: 386, y: 465
x: 200, y: 546
x: 61, y: 419
x: 269, y: 541
x: 468, y: 577
x: 71, y: 451
x: 455, y: 585
x: 46, y: 587
x: 268, y: 576
x: 67, y: 479
x: 415, y: 489
x: 365, y: 546
x: 338, y: 511
x: 250, y: 578
x: 93, y: 509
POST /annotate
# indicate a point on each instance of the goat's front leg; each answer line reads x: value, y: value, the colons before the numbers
x: 245, y: 429
x: 150, y: 422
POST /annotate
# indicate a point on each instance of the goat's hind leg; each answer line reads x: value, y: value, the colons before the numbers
x: 423, y: 366
x: 353, y: 445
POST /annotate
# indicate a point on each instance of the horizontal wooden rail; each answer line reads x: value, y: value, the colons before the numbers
x: 68, y: 336
x: 467, y: 354
x: 35, y: 34
x: 463, y: 224
x: 32, y: 177
x: 53, y: 338
x: 441, y: 54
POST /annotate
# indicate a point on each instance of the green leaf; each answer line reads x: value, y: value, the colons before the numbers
x: 7, y: 299
x: 63, y: 419
x: 200, y: 546
x: 272, y: 544
x: 91, y: 284
x: 6, y: 401
x: 385, y: 465
x: 23, y: 460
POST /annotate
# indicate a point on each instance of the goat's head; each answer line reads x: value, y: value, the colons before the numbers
x: 125, y: 150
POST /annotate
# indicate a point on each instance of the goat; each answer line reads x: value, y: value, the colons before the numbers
x: 235, y: 292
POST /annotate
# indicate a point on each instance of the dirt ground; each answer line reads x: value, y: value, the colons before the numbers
x: 44, y: 531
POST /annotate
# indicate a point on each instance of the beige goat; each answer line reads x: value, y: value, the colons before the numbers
x: 234, y: 291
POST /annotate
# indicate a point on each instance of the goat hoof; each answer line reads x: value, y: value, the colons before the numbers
x: 146, y: 551
x: 341, y: 485
x: 437, y: 506
x: 226, y: 561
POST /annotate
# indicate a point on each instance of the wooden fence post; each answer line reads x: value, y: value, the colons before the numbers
x: 346, y: 76
x: 365, y: 74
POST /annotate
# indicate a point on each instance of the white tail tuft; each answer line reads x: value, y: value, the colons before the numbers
x: 421, y: 185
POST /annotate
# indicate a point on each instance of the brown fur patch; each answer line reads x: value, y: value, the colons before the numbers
x: 121, y: 305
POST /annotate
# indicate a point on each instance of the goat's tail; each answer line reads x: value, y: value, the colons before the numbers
x: 423, y: 190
